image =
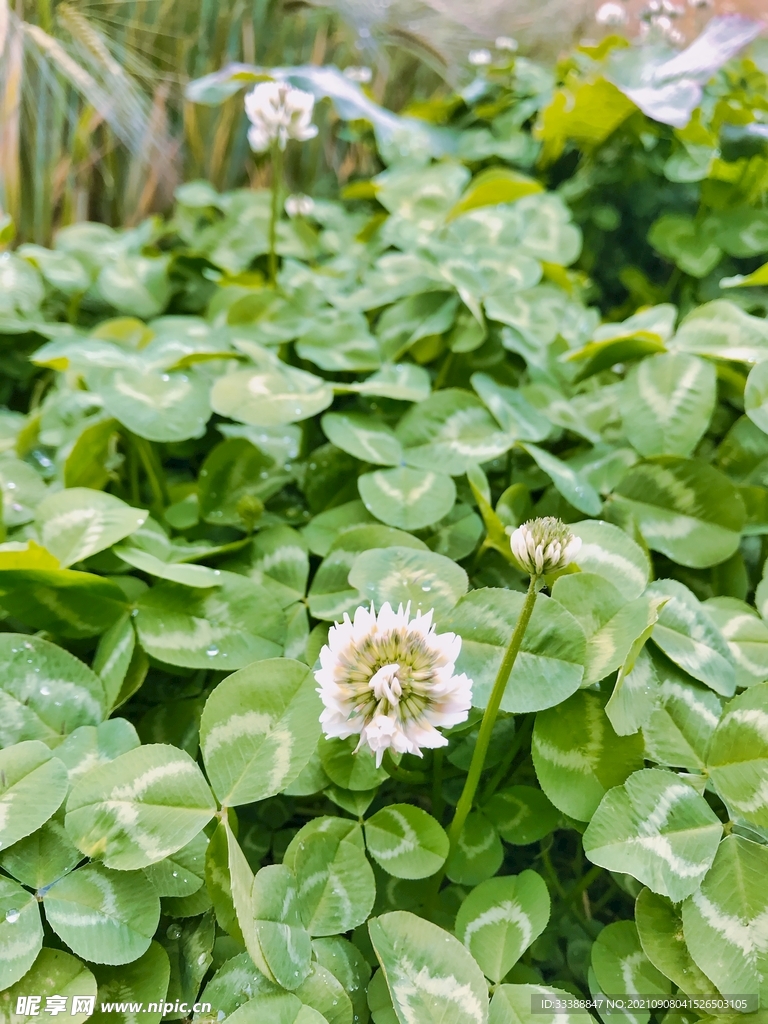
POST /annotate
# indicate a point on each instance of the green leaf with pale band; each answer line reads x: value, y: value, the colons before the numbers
x: 33, y: 785
x: 406, y: 841
x: 738, y: 755
x: 658, y: 829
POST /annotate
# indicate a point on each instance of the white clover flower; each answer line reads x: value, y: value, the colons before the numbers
x: 611, y: 15
x: 507, y: 43
x: 363, y: 75
x: 299, y: 205
x: 544, y: 545
x: 390, y: 680
x: 480, y: 58
x: 279, y: 112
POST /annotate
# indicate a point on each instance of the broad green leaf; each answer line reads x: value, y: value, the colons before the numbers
x: 270, y: 396
x: 365, y: 437
x: 550, y: 665
x: 340, y: 342
x: 406, y: 841
x: 354, y: 771
x: 337, y: 828
x: 577, y: 755
x: 331, y: 594
x: 423, y: 579
x: 235, y: 470
x: 45, y: 692
x: 323, y: 992
x: 493, y: 186
x: 89, y: 746
x: 89, y: 462
x: 721, y: 330
x: 610, y: 552
x: 657, y: 829
x: 667, y: 403
x: 143, y: 981
x: 622, y: 968
x: 756, y: 395
x: 187, y: 575
x: 22, y: 491
x: 33, y: 785
x: 335, y: 882
x: 54, y: 972
x: 738, y: 755
x: 78, y: 522
x: 42, y: 857
x: 223, y: 627
x: 690, y: 638
x: 113, y: 656
x: 407, y: 498
x: 182, y: 873
x: 500, y: 919
x: 405, y: 382
x: 135, y: 284
x: 724, y: 924
x: 234, y: 983
x: 140, y: 808
x: 259, y: 729
x: 62, y: 601
x: 21, y: 933
x: 746, y: 635
x: 107, y: 917
x: 521, y: 814
x: 513, y: 412
x: 348, y: 965
x: 643, y: 333
x: 284, y: 942
x: 452, y: 430
x: 513, y: 1004
x: 478, y: 853
x: 431, y: 977
x: 154, y: 403
x: 660, y: 929
x: 277, y: 1008
x: 280, y: 555
x: 611, y: 624
x: 569, y: 482
x: 685, y: 241
x: 326, y: 527
x: 685, y: 509
x: 679, y: 728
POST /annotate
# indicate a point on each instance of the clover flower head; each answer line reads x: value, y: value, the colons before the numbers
x: 390, y: 680
x: 507, y: 43
x: 480, y: 58
x: 278, y: 112
x: 544, y: 545
x: 611, y: 15
x: 299, y: 205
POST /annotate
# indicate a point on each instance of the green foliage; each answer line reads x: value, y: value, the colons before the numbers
x: 202, y: 472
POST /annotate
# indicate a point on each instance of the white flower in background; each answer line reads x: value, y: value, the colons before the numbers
x: 390, y: 680
x: 479, y: 58
x: 362, y: 75
x: 697, y: 4
x: 544, y: 545
x: 611, y: 15
x: 507, y: 43
x: 299, y: 205
x: 279, y: 112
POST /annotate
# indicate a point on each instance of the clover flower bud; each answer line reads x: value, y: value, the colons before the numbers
x: 390, y: 680
x: 542, y: 546
x: 279, y: 112
x: 507, y: 43
x: 611, y: 15
x: 480, y: 58
x: 299, y: 205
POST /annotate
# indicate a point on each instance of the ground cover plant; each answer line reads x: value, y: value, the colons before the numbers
x: 533, y: 762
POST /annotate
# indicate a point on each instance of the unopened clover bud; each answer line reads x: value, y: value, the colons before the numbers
x: 611, y: 15
x: 480, y: 58
x: 542, y: 546
x: 250, y: 509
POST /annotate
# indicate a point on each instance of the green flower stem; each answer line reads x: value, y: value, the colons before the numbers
x: 277, y: 180
x: 153, y: 469
x: 464, y: 806
x: 394, y: 771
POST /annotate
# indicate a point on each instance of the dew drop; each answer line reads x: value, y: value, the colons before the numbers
x: 173, y: 931
x: 165, y: 377
x: 10, y: 486
x: 175, y: 874
x: 16, y: 506
x: 12, y: 916
x: 212, y: 651
x: 45, y: 690
x: 201, y: 958
x: 217, y: 572
x: 426, y: 588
